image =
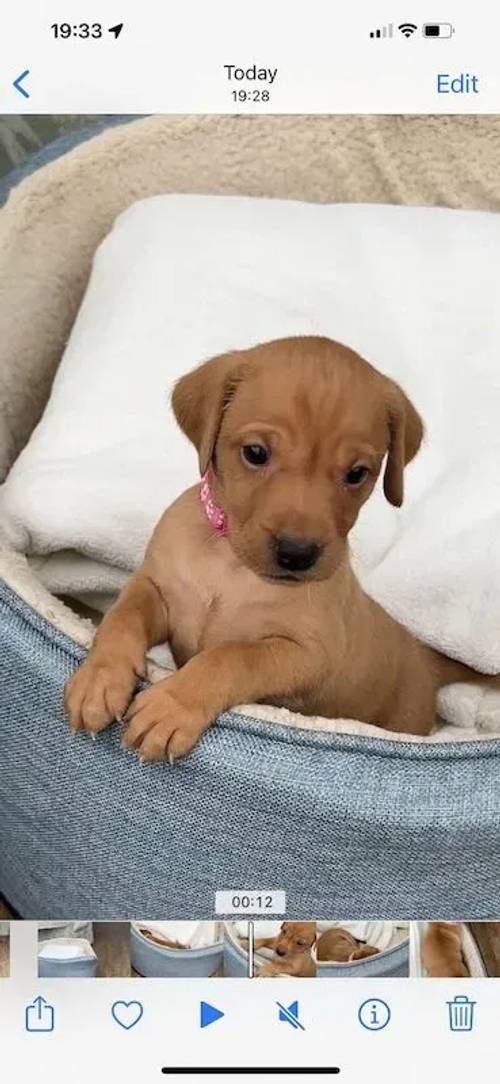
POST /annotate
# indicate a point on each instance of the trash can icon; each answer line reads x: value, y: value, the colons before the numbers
x: 461, y: 1012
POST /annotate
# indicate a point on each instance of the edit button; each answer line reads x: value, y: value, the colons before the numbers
x: 464, y: 83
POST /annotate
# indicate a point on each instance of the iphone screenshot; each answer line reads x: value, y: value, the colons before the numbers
x: 249, y: 557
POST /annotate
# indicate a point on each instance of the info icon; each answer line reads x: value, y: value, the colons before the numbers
x: 374, y: 1014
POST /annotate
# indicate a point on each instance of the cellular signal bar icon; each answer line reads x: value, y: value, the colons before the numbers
x: 383, y: 31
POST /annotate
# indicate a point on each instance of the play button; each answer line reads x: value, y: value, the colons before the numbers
x: 209, y: 1014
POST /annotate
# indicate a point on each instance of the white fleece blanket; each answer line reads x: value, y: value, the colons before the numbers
x: 66, y: 948
x: 189, y: 935
x: 416, y: 290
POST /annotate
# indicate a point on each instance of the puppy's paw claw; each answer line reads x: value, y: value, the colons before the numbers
x: 98, y: 693
x: 160, y: 727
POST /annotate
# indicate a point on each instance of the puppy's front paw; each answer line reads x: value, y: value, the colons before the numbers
x: 98, y: 693
x: 267, y: 971
x: 160, y: 726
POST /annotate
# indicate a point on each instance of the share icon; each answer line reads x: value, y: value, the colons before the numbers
x: 290, y: 1015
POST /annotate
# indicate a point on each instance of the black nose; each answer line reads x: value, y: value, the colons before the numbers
x: 295, y: 554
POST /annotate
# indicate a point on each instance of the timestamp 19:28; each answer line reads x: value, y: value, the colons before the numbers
x: 250, y: 95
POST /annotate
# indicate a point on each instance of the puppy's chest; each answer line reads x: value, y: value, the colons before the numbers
x: 210, y: 601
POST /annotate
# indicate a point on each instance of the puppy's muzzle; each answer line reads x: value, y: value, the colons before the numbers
x: 294, y: 554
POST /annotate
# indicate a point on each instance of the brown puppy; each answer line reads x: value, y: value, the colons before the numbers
x: 292, y: 951
x: 442, y: 954
x: 340, y: 946
x: 253, y: 589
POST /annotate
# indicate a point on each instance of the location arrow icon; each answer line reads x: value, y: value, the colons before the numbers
x: 116, y: 30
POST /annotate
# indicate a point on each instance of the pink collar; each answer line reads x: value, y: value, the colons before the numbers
x: 215, y: 514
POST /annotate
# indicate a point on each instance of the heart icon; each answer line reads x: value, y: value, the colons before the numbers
x: 127, y: 1013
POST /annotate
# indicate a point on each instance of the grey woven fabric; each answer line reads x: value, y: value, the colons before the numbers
x: 350, y: 827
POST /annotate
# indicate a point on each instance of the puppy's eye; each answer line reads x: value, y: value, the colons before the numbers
x: 356, y: 475
x: 255, y: 455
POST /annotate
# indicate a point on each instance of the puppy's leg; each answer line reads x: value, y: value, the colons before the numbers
x: 169, y: 718
x: 259, y: 942
x: 264, y: 942
x: 101, y: 689
x: 271, y: 970
x: 362, y: 951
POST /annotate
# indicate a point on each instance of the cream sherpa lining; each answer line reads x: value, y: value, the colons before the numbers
x: 55, y: 219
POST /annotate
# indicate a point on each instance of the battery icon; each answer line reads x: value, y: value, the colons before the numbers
x: 438, y: 30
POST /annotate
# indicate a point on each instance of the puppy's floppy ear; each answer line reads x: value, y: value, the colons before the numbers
x: 199, y: 400
x: 405, y: 435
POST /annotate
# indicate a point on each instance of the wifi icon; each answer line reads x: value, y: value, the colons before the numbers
x: 407, y: 29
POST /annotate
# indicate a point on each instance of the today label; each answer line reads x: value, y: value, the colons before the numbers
x: 253, y: 73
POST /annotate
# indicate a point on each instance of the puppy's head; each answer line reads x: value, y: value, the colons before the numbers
x: 341, y: 945
x: 295, y: 939
x: 297, y: 431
